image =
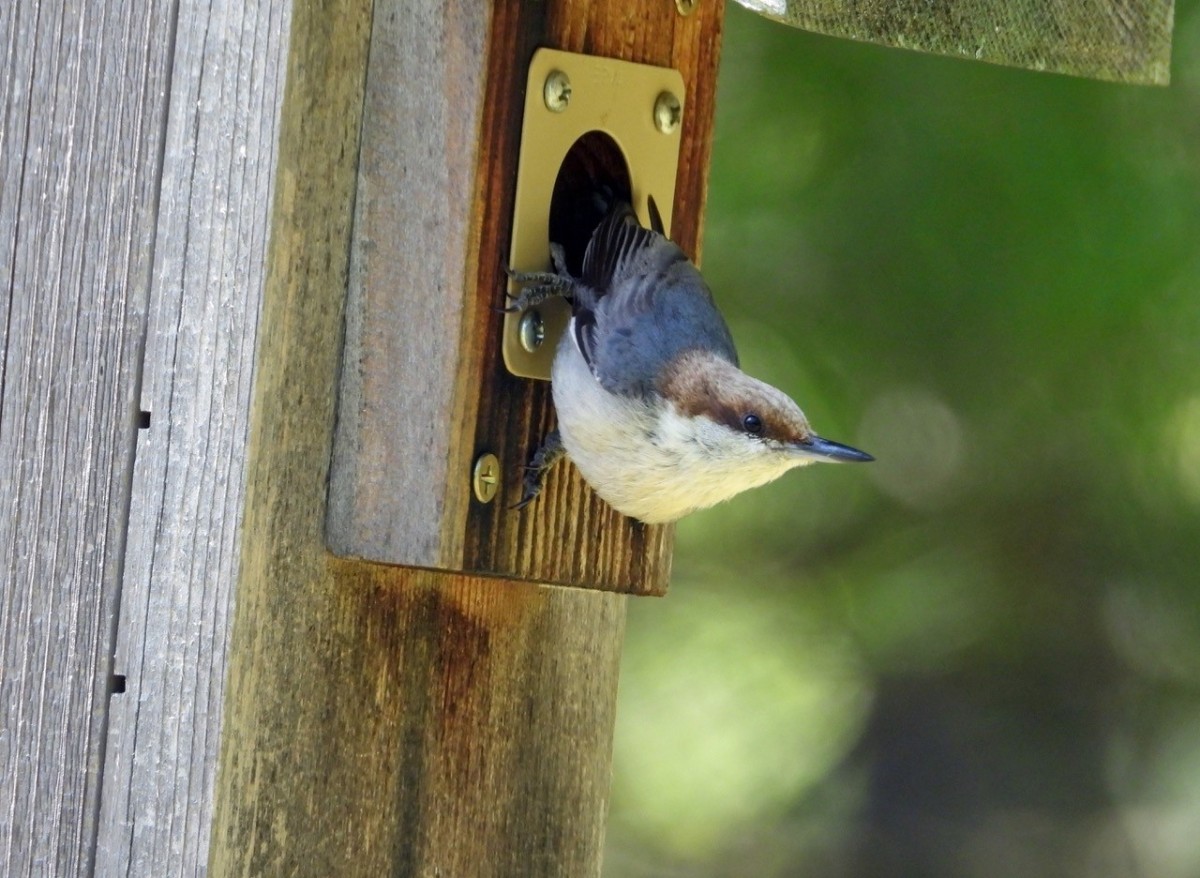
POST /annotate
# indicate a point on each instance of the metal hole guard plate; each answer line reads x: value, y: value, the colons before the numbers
x: 617, y: 98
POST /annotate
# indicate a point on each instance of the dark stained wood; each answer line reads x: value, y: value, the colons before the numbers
x: 570, y: 536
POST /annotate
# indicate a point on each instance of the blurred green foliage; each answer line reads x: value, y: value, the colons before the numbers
x: 980, y: 655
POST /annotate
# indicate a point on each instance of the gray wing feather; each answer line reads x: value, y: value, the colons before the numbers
x: 640, y: 304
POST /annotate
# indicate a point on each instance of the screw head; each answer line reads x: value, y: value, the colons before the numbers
x: 485, y: 479
x: 686, y: 7
x: 532, y: 331
x: 668, y: 113
x: 557, y: 91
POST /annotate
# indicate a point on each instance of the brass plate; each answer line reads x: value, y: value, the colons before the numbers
x: 618, y: 98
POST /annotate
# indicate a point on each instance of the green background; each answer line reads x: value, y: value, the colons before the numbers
x: 980, y: 655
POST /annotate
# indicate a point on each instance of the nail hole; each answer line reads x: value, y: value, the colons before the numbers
x: 116, y: 684
x: 143, y: 420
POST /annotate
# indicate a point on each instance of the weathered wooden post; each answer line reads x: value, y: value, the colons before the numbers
x: 218, y: 223
x: 389, y: 720
x: 190, y: 676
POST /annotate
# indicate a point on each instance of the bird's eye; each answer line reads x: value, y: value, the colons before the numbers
x: 752, y: 424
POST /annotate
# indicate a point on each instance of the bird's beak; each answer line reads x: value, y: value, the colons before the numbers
x: 833, y: 452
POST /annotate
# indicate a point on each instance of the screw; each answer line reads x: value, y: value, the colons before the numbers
x: 686, y: 7
x: 668, y: 113
x: 557, y: 91
x: 486, y: 477
x: 532, y: 331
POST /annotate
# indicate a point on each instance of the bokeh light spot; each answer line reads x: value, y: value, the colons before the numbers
x: 1183, y: 437
x: 1154, y: 630
x: 918, y: 442
x: 925, y: 609
x: 745, y: 708
x: 1156, y: 779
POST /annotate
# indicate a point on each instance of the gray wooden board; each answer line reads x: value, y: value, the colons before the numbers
x: 391, y: 498
x: 86, y: 91
x: 189, y: 479
x: 81, y: 92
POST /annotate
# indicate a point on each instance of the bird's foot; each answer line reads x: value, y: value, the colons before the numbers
x: 550, y: 453
x: 538, y: 286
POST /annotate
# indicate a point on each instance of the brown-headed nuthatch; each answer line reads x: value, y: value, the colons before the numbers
x: 652, y: 407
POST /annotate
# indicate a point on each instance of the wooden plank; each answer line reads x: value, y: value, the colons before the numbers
x: 218, y: 176
x: 424, y: 390
x: 382, y: 720
x: 414, y: 723
x: 570, y: 536
x: 398, y: 490
x: 81, y: 89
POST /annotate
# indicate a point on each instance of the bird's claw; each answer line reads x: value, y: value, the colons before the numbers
x: 537, y: 286
x: 550, y: 453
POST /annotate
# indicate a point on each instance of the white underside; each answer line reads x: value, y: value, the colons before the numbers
x: 655, y: 466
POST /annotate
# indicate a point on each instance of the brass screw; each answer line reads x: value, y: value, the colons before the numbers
x: 532, y: 331
x: 686, y: 7
x: 668, y: 113
x: 557, y: 91
x: 486, y: 478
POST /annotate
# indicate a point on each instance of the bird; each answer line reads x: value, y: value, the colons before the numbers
x: 652, y: 405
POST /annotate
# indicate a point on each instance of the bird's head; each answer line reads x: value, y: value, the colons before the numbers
x: 739, y: 427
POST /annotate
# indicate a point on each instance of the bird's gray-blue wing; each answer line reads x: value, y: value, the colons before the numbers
x: 641, y: 305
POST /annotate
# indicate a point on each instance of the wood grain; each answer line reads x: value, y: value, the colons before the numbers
x: 424, y: 391
x: 80, y: 137
x: 376, y: 720
x: 398, y: 485
x: 570, y: 536
x: 380, y: 720
x: 218, y: 175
